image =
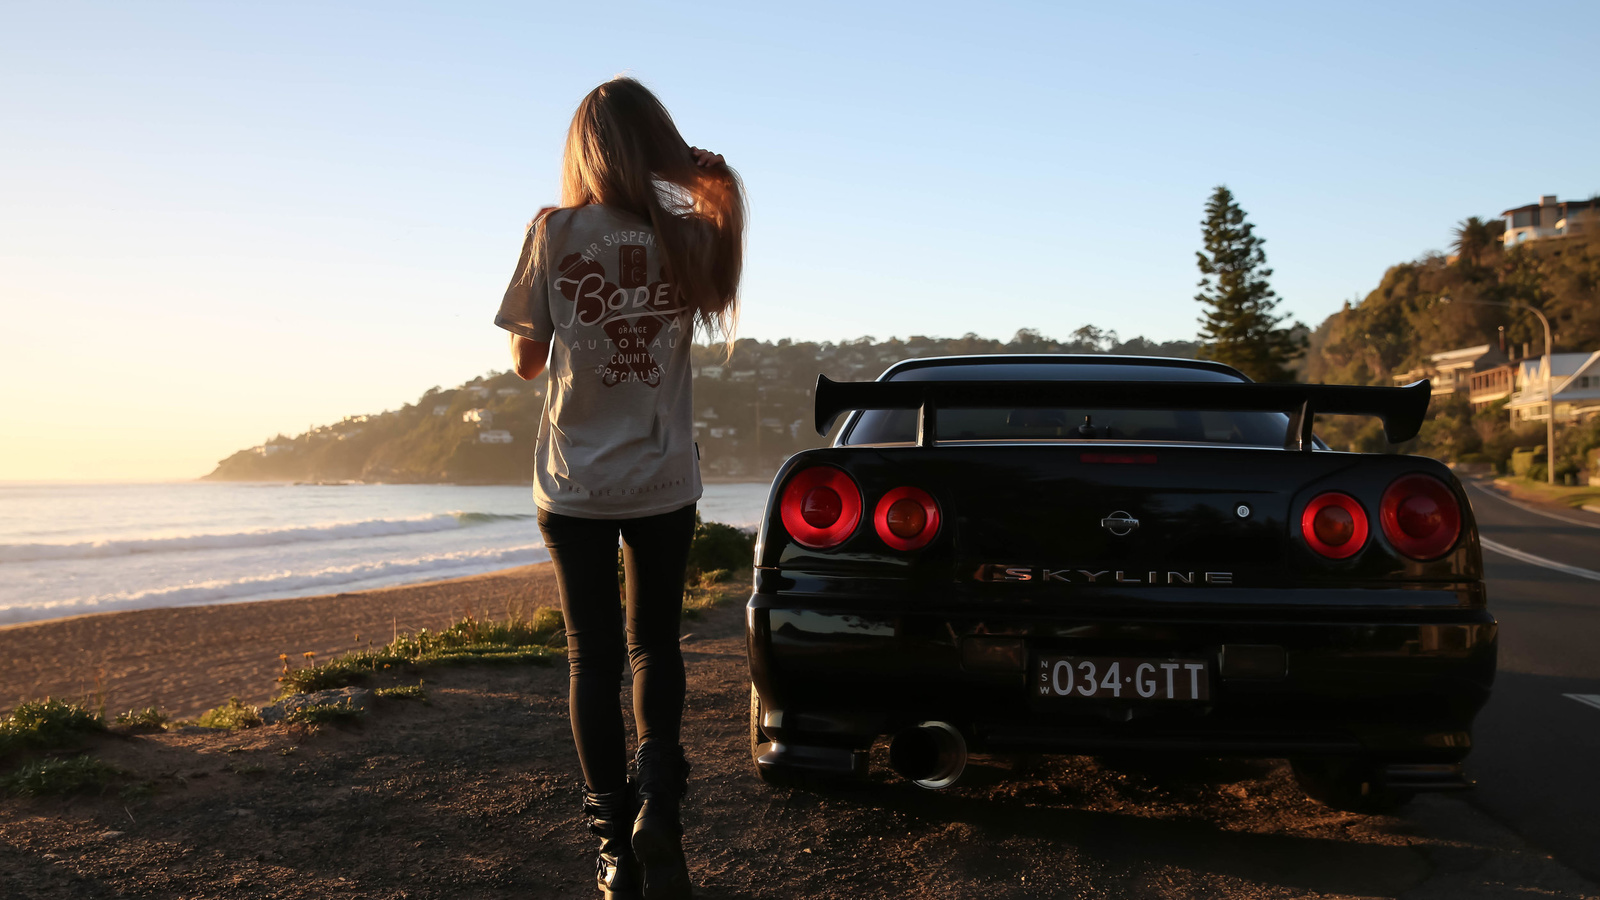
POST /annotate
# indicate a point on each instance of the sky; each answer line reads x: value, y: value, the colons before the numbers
x: 219, y: 222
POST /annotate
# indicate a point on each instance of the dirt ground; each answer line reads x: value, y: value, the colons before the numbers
x: 475, y: 794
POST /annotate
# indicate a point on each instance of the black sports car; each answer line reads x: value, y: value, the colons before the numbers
x: 1088, y: 554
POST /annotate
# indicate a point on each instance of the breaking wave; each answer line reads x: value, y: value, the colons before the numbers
x: 340, y: 531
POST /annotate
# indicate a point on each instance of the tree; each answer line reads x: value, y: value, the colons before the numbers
x: 1241, y: 328
x: 1473, y: 240
x: 1094, y: 340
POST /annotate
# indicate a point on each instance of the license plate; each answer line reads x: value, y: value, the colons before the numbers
x: 1121, y: 678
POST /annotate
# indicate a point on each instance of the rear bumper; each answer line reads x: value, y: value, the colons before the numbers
x: 1400, y: 686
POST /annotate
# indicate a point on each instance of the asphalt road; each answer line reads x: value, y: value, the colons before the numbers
x: 1537, y: 754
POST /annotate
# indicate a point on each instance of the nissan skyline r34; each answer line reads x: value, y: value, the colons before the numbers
x: 1068, y: 554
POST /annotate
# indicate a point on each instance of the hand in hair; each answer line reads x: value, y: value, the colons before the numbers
x: 706, y: 158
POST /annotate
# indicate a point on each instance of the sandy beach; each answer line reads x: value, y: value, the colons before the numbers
x: 186, y: 660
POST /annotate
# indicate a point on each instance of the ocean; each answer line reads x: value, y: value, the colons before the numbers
x: 67, y: 550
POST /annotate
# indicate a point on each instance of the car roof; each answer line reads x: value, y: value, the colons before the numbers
x: 1059, y: 367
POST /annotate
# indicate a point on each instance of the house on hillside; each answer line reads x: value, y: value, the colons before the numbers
x: 494, y: 436
x: 507, y: 392
x: 1451, y: 371
x: 1550, y: 218
x: 478, y: 416
x: 1491, y: 385
x: 478, y: 391
x: 714, y: 372
x: 441, y: 409
x: 1574, y: 379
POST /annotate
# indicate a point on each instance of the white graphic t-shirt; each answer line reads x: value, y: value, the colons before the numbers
x: 617, y: 437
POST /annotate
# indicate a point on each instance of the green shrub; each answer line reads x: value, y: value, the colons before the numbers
x: 1523, y: 460
x: 40, y: 724
x: 46, y: 777
x: 233, y: 715
x: 547, y: 621
x: 323, y: 714
x: 718, y: 546
x: 404, y: 692
x: 147, y: 719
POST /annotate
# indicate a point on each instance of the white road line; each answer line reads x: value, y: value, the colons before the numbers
x: 1526, y: 508
x: 1529, y: 558
x: 1586, y: 699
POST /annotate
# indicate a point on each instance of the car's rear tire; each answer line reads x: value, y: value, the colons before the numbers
x: 1349, y: 784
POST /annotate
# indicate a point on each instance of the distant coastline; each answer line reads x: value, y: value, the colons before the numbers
x: 752, y: 410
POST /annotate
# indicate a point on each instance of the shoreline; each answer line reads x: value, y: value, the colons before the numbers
x: 187, y: 659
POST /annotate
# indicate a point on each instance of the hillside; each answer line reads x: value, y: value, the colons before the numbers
x: 1436, y: 303
x: 752, y: 411
x: 1403, y: 320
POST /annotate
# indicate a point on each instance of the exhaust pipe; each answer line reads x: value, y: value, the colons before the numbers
x: 931, y: 755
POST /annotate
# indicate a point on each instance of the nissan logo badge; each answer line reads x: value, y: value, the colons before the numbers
x: 1120, y: 524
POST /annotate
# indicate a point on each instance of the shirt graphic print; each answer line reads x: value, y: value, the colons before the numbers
x: 631, y: 312
x: 616, y: 439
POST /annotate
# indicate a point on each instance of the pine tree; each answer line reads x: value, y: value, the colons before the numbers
x: 1241, y: 327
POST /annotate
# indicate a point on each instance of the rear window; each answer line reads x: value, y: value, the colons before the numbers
x: 890, y: 426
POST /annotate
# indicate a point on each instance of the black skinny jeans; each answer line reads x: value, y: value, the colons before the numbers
x: 655, y: 552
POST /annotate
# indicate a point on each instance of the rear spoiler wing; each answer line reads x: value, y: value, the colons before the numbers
x: 1400, y: 408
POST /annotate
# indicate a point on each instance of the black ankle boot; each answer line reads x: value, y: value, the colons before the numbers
x: 610, y: 819
x: 662, y: 777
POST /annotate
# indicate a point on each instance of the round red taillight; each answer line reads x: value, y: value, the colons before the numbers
x: 906, y: 518
x: 1334, y: 525
x: 821, y: 506
x: 1420, y: 516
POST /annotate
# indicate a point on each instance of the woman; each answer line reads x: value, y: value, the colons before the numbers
x: 646, y: 246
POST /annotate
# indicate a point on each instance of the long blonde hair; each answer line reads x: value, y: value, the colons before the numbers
x: 623, y: 151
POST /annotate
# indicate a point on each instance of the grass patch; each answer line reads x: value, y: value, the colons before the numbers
x: 323, y: 714
x: 404, y: 692
x: 710, y: 590
x: 231, y: 716
x: 1573, y: 496
x: 58, y: 777
x: 147, y: 719
x: 42, y: 724
x: 517, y: 640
